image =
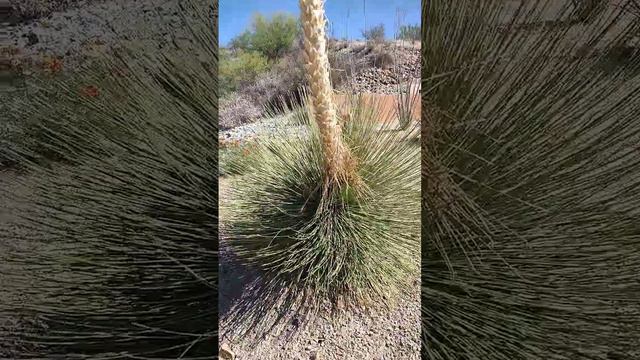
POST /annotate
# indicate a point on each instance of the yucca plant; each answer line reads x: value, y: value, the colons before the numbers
x: 332, y: 211
x: 115, y: 253
x: 530, y: 186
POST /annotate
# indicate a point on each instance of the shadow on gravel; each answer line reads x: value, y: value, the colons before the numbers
x: 253, y: 306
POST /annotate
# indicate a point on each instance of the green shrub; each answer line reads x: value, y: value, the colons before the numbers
x: 240, y: 70
x: 21, y: 132
x: 241, y: 42
x: 272, y: 37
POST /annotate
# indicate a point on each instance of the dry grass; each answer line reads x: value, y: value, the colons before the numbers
x: 236, y: 110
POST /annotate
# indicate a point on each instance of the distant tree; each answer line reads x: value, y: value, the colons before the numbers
x: 376, y: 33
x: 241, y: 42
x: 409, y: 32
x: 273, y: 37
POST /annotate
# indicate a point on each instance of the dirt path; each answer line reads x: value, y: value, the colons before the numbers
x: 381, y: 334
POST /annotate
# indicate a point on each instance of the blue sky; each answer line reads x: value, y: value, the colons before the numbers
x: 235, y: 15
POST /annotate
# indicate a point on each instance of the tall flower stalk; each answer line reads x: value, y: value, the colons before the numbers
x: 317, y: 68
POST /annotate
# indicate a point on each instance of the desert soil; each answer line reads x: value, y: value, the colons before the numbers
x: 75, y: 34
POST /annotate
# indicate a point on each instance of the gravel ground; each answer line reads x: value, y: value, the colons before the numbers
x: 374, y: 334
x: 263, y: 127
x: 21, y: 10
x: 74, y: 34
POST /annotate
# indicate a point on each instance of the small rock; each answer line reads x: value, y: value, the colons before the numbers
x: 226, y: 353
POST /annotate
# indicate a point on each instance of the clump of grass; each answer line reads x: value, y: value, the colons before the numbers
x: 119, y: 250
x: 340, y: 243
x: 530, y: 187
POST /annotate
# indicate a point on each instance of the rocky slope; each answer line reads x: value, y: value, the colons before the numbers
x: 375, y: 79
x: 377, y: 68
